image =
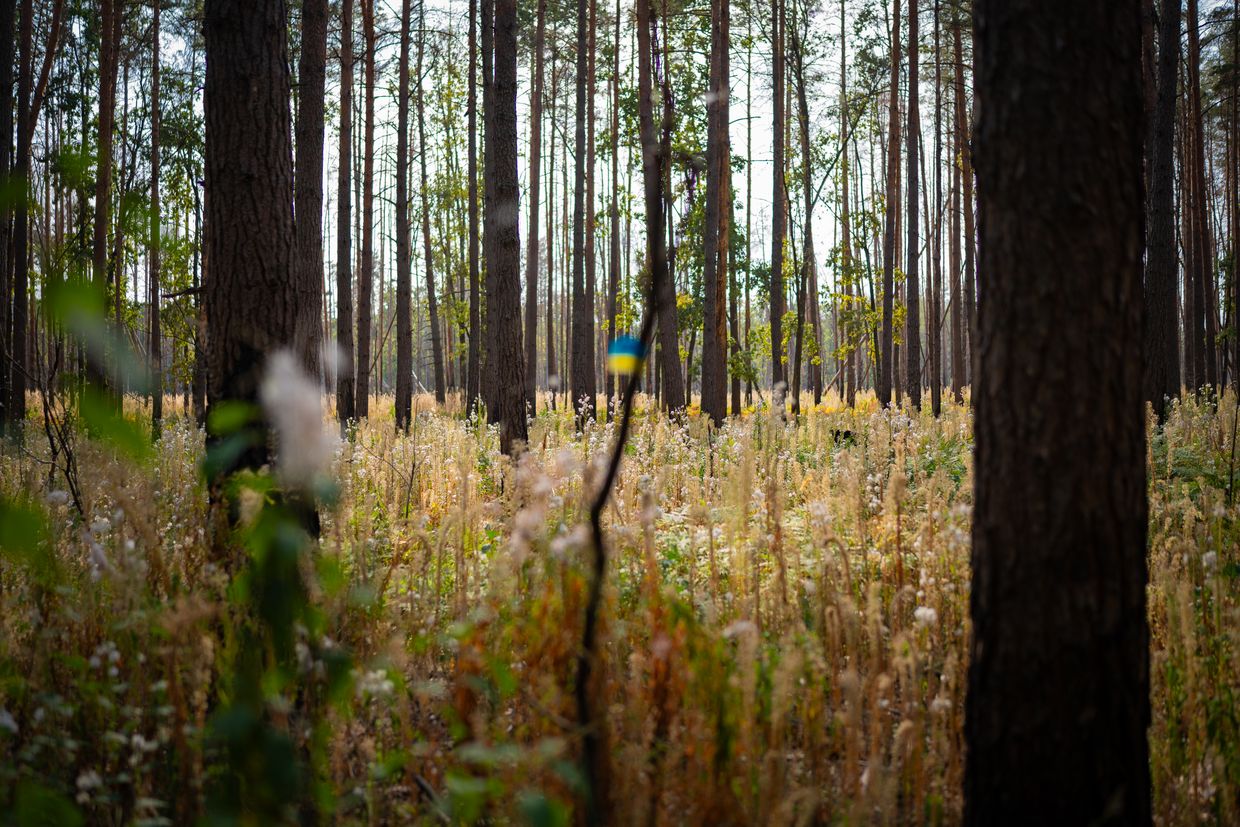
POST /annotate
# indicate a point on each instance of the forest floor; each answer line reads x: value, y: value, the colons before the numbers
x: 784, y: 627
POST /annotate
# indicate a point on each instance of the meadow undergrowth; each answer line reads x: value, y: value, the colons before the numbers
x: 784, y: 631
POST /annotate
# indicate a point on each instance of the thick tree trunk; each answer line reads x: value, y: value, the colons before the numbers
x: 672, y: 381
x: 346, y: 408
x: 714, y: 240
x: 912, y: 283
x: 252, y: 296
x: 1206, y: 368
x: 613, y: 388
x: 1059, y: 671
x: 308, y: 181
x: 934, y: 329
x: 110, y: 16
x: 404, y: 320
x: 1162, y: 329
x: 886, y: 347
x: 8, y: 43
x: 531, y: 247
x: 580, y: 344
x: 843, y: 337
x: 504, y: 279
x: 589, y: 228
x: 553, y: 378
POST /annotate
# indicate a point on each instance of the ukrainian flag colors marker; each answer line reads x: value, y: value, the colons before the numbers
x: 624, y: 355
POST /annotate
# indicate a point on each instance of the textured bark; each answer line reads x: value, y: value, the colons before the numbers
x: 404, y: 322
x: 155, y: 346
x: 806, y: 288
x: 21, y: 237
x: 843, y: 331
x: 346, y: 407
x: 490, y: 380
x: 589, y: 228
x: 1205, y: 367
x: 580, y: 343
x: 966, y: 194
x: 8, y: 43
x: 715, y: 231
x: 432, y: 298
x: 953, y: 264
x: 934, y: 324
x: 553, y: 379
x: 253, y: 298
x: 110, y: 17
x: 672, y: 381
x: 1162, y: 329
x: 886, y: 355
x: 912, y: 283
x: 475, y: 311
x: 531, y: 249
x: 1058, y: 689
x: 308, y: 179
x: 504, y: 278
x: 365, y: 276
x: 613, y: 273
x: 778, y: 197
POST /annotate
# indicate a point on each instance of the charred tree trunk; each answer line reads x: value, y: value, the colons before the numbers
x: 912, y: 284
x: 155, y: 346
x: 886, y: 349
x: 8, y: 42
x: 1059, y: 671
x: 404, y: 321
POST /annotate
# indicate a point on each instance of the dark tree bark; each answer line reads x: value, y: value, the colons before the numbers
x: 21, y: 235
x: 346, y: 407
x: 553, y: 379
x: 591, y: 262
x: 8, y: 43
x: 912, y: 284
x: 1058, y: 689
x: 1205, y: 362
x: 886, y: 349
x: 504, y: 278
x: 807, y: 283
x: 365, y: 278
x: 404, y: 322
x: 715, y: 231
x: 953, y: 249
x: 531, y: 249
x: 1162, y: 329
x: 490, y: 380
x: 672, y: 384
x: 308, y: 179
x: 580, y: 345
x: 432, y: 299
x: 934, y: 328
x: 110, y: 18
x: 475, y: 312
x: 155, y: 346
x: 849, y: 366
x: 778, y: 198
x: 612, y: 388
x: 252, y: 296
x: 964, y: 143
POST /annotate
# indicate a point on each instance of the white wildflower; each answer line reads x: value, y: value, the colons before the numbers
x: 291, y: 399
x: 1209, y: 561
x: 57, y: 497
x: 925, y: 616
x: 7, y: 721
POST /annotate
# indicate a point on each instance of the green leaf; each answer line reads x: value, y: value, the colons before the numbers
x: 24, y: 539
x: 105, y: 422
x: 37, y: 805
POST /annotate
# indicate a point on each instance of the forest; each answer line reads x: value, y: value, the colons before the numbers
x: 589, y: 412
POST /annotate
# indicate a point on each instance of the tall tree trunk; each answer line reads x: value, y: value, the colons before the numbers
x: 531, y: 247
x: 589, y: 228
x: 808, y: 264
x: 504, y: 279
x: 964, y: 144
x: 613, y: 276
x: 365, y: 278
x: 1203, y: 264
x: 1162, y: 329
x: 886, y: 348
x: 346, y: 407
x: 714, y: 240
x: 778, y: 198
x: 553, y: 378
x: 110, y: 17
x: 8, y: 48
x: 475, y: 312
x: 674, y: 395
x: 308, y: 179
x: 843, y: 327
x: 1058, y: 681
x: 934, y: 329
x: 580, y: 344
x: 953, y: 262
x: 404, y: 320
x: 155, y: 346
x: 252, y: 297
x: 912, y: 285
x: 490, y: 380
x: 432, y: 298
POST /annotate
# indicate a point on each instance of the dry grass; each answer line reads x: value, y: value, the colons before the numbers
x: 785, y: 623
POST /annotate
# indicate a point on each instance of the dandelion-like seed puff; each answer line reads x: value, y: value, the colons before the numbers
x: 305, y: 447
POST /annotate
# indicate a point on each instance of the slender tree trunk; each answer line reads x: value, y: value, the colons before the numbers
x: 674, y: 396
x: 404, y: 320
x: 308, y: 180
x: 1058, y: 681
x: 365, y: 277
x: 714, y: 240
x: 1203, y: 266
x: 966, y: 189
x: 934, y: 329
x: 8, y: 49
x: 844, y: 332
x: 153, y: 275
x: 1162, y: 330
x: 346, y: 408
x: 578, y: 359
x: 912, y: 284
x: 252, y: 297
x: 110, y: 16
x: 953, y: 259
x: 475, y: 311
x: 531, y: 248
x: 778, y: 198
x: 613, y: 277
x: 553, y: 378
x: 886, y: 349
x: 432, y: 298
x: 807, y: 173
